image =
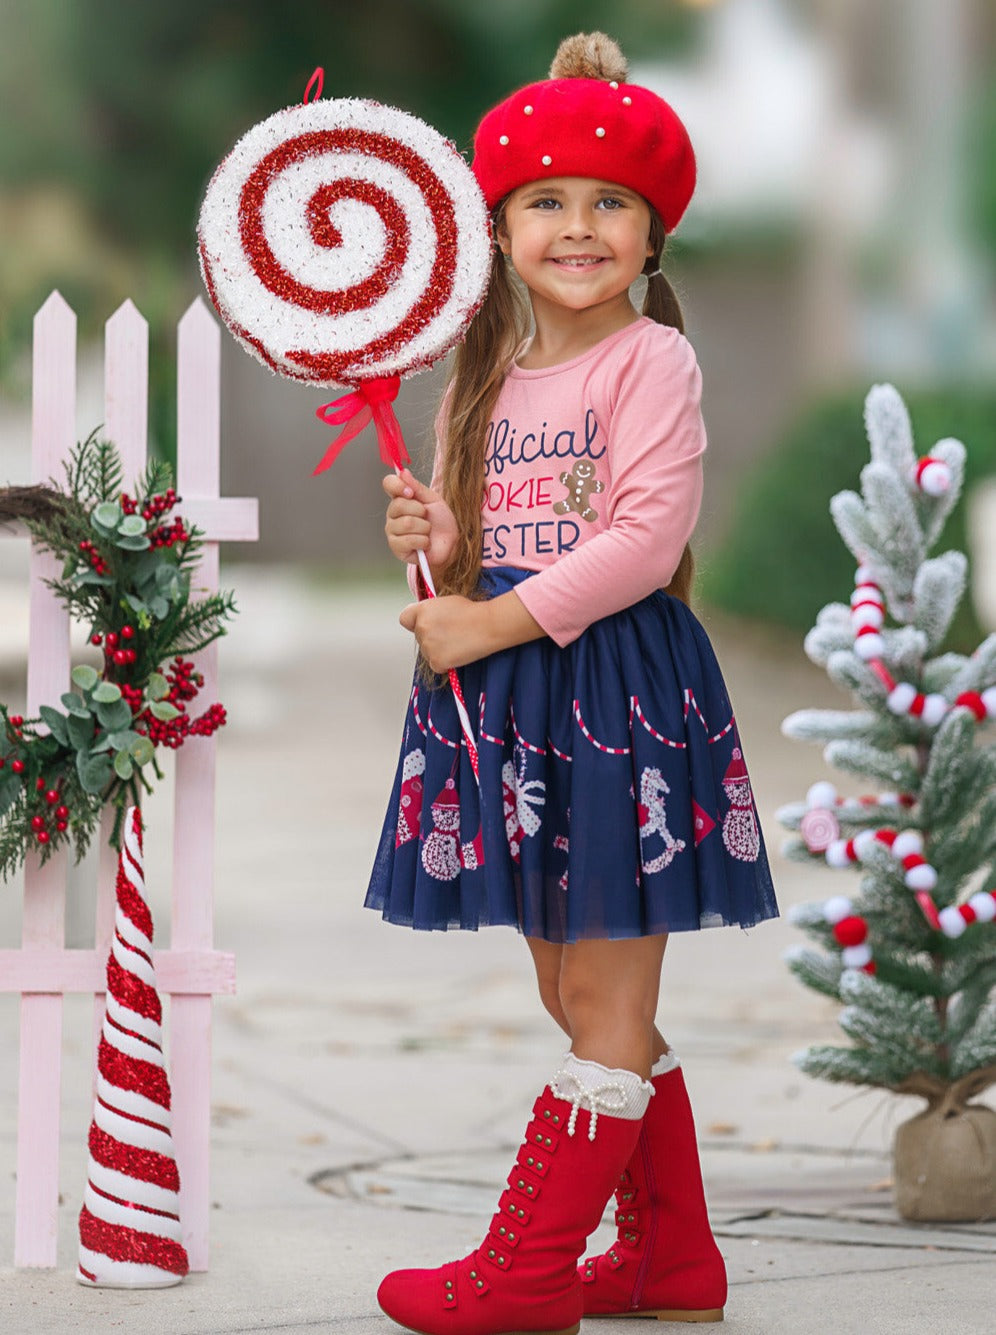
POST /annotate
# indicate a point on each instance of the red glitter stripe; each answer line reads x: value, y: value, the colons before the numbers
x: 131, y: 1205
x: 133, y: 1073
x: 132, y: 992
x: 146, y: 1165
x: 132, y: 905
x: 87, y: 1274
x: 330, y: 366
x: 129, y: 1244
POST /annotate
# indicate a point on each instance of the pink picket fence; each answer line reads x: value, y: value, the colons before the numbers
x: 191, y: 971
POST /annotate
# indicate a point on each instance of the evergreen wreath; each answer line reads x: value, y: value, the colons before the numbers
x: 126, y: 567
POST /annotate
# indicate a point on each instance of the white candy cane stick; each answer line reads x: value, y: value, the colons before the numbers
x: 468, y: 732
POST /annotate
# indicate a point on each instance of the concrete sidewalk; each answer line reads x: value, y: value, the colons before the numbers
x: 371, y: 1085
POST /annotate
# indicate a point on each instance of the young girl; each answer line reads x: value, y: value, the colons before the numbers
x: 613, y: 804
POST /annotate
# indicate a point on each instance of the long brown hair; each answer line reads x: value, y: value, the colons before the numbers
x: 479, y: 368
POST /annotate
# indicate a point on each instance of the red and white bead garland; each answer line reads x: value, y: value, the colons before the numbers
x: 867, y: 616
x: 342, y: 240
x: 956, y: 917
x: 850, y: 932
x: 819, y: 826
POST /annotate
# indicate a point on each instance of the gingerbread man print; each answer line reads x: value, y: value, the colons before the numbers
x: 580, y: 484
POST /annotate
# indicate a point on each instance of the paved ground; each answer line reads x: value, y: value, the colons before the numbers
x: 370, y: 1085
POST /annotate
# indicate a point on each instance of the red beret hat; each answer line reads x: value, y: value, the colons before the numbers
x: 609, y: 131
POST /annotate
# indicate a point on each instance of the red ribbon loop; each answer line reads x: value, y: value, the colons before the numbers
x: 370, y: 400
x: 317, y: 81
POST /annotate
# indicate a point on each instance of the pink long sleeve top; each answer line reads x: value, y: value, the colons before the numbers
x: 594, y: 475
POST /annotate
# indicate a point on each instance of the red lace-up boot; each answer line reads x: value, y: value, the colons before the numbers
x: 665, y: 1262
x: 524, y: 1277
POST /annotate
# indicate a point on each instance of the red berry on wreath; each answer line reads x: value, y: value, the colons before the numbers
x: 62, y: 813
x: 52, y: 796
x: 43, y: 836
x: 17, y: 766
x: 40, y: 784
x: 127, y: 632
x: 2, y: 762
x: 16, y: 720
x: 112, y: 639
x: 121, y: 657
x: 62, y: 826
x: 96, y: 638
x: 37, y: 823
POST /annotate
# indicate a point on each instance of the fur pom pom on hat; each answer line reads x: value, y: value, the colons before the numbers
x: 586, y: 120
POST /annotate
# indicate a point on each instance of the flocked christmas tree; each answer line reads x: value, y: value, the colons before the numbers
x: 912, y: 953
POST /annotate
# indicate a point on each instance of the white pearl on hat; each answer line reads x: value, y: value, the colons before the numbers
x: 547, y: 159
x: 503, y: 140
x: 627, y: 101
x: 527, y: 111
x: 613, y: 84
x: 600, y: 132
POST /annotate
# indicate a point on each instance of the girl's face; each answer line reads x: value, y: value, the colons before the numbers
x: 576, y: 243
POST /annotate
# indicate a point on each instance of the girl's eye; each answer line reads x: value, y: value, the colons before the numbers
x: 611, y: 202
x: 546, y: 203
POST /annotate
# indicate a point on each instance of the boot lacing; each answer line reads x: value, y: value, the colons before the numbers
x: 609, y: 1097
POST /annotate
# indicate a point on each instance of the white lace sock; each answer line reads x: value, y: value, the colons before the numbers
x: 614, y: 1093
x: 665, y: 1063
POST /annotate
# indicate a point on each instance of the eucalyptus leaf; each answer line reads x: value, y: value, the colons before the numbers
x: 138, y: 543
x: 91, y: 577
x: 123, y: 767
x: 103, y: 745
x: 166, y: 579
x: 80, y: 732
x: 74, y: 705
x: 134, y: 602
x: 123, y: 740
x: 163, y: 710
x: 85, y: 677
x: 95, y: 772
x: 158, y: 687
x: 141, y: 751
x: 114, y: 716
x: 106, y: 514
x: 159, y: 608
x: 106, y: 693
x: 131, y: 525
x: 56, y: 723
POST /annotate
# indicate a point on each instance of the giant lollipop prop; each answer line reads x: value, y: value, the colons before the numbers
x: 347, y: 243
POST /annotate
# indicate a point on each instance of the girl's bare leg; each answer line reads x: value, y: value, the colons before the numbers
x: 603, y: 995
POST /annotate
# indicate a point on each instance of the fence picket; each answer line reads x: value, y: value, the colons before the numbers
x: 43, y: 923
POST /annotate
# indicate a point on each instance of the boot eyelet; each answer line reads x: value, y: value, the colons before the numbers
x: 530, y: 1161
x: 449, y: 1284
x: 480, y: 1283
x: 491, y: 1252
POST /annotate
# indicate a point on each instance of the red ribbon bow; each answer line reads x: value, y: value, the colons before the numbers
x: 370, y: 400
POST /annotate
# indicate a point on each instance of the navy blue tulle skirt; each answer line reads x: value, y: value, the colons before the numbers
x: 613, y: 802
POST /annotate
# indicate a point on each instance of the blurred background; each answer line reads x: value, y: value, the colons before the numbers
x: 844, y: 232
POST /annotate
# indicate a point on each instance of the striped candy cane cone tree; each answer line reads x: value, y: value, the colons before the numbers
x: 130, y: 1235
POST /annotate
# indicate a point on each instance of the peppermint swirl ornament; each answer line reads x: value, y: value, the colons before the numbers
x: 343, y: 241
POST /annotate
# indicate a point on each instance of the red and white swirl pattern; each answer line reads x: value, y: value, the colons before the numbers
x: 130, y: 1235
x: 343, y: 240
